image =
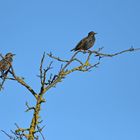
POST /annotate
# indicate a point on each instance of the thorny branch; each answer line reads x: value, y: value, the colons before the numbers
x: 48, y: 82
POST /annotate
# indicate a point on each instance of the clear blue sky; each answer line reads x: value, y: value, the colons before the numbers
x: 100, y: 105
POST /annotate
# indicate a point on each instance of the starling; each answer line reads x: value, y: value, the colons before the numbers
x: 86, y: 42
x: 6, y: 62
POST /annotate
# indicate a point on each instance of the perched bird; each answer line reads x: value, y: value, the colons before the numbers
x: 86, y: 42
x: 6, y: 63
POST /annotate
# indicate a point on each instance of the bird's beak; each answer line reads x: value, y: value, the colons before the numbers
x: 95, y: 33
x: 13, y: 54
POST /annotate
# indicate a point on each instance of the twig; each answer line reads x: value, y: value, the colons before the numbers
x: 40, y: 131
x: 10, y: 137
x: 97, y: 53
x: 72, y: 58
x: 41, y: 65
x: 57, y: 58
x: 3, y: 79
x: 29, y: 108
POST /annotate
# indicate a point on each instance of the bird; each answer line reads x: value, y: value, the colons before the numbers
x: 86, y: 43
x: 6, y: 63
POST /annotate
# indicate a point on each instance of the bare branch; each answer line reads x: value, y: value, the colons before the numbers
x: 97, y: 53
x: 51, y: 81
x: 40, y: 131
x: 10, y: 137
x: 21, y: 81
x: 3, y: 77
x: 41, y: 67
x: 44, y: 76
x: 62, y: 60
x: 72, y: 58
x: 20, y: 132
x: 76, y: 59
x: 29, y: 108
x: 57, y: 58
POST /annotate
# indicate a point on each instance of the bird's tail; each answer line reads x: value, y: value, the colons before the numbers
x: 72, y: 49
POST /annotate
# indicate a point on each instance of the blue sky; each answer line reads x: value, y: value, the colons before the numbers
x: 103, y: 104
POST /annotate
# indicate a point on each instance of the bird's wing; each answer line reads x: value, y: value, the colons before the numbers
x: 81, y: 44
x: 1, y: 64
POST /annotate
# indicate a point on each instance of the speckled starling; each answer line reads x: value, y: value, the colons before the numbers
x: 86, y: 43
x: 6, y: 62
